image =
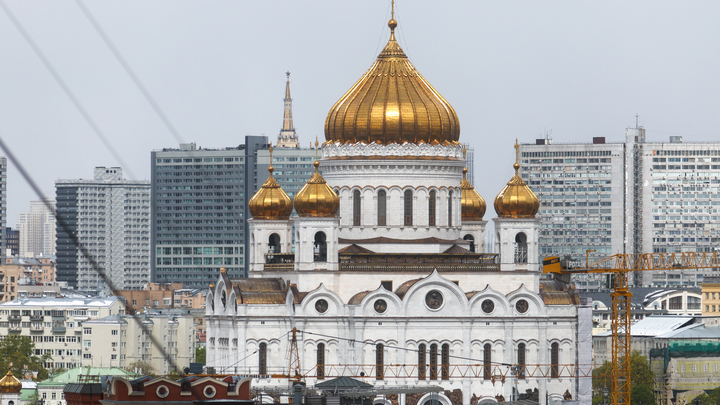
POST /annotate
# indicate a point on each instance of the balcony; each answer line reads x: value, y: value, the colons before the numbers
x: 279, y: 261
x: 14, y: 329
x: 14, y: 318
x: 35, y: 328
x: 58, y: 329
x: 37, y: 318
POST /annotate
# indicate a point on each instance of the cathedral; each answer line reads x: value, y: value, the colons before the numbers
x: 383, y: 273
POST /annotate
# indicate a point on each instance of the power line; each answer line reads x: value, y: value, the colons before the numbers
x: 130, y: 72
x: 98, y: 132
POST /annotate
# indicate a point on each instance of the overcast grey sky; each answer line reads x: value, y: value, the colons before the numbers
x: 510, y: 68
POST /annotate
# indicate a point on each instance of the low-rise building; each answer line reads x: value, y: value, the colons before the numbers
x: 121, y: 340
x: 710, y: 296
x: 56, y: 325
x: 51, y: 391
x: 231, y: 390
x: 25, y: 271
x: 153, y: 296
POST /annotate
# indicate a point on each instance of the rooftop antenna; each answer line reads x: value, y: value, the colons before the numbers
x: 636, y: 120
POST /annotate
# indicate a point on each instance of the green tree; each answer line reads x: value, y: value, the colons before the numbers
x: 642, y: 395
x: 142, y: 367
x: 200, y: 355
x: 19, y: 350
x: 640, y: 376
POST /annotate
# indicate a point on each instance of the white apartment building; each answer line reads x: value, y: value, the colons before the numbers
x: 56, y: 325
x: 119, y: 341
x: 111, y: 218
x: 631, y: 197
x: 37, y: 229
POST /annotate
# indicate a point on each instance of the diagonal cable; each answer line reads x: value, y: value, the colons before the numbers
x: 66, y: 228
x: 130, y: 72
x: 66, y: 89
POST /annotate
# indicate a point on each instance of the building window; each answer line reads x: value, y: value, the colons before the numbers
x: 487, y: 361
x: 320, y: 247
x: 356, y: 208
x: 114, y: 332
x: 521, y: 361
x: 408, y: 208
x: 471, y: 240
x: 381, y: 208
x: 675, y: 303
x: 433, y: 362
x: 450, y: 204
x: 431, y: 208
x: 262, y: 359
x: 87, y: 331
x: 320, y: 361
x: 445, y: 361
x: 521, y: 250
x: 274, y: 243
x: 422, y: 362
x: 554, y: 360
x: 379, y: 362
x: 694, y: 303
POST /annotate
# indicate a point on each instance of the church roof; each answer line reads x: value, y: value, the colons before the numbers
x: 383, y: 239
x: 357, y: 298
x: 354, y: 249
x: 554, y: 292
x: 404, y: 287
x: 342, y: 383
x: 457, y: 250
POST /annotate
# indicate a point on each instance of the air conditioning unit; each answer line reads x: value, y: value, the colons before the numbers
x: 87, y: 348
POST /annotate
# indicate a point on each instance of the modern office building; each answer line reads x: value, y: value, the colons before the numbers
x: 3, y: 203
x: 470, y: 163
x: 12, y: 242
x: 199, y: 206
x: 110, y: 216
x: 292, y: 167
x: 37, y: 229
x: 629, y: 197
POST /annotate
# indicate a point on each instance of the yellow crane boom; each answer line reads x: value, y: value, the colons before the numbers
x: 620, y: 265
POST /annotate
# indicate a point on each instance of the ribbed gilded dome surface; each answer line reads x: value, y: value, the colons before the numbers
x: 516, y: 200
x: 392, y: 103
x: 472, y: 203
x: 316, y: 198
x: 10, y: 384
x: 270, y: 202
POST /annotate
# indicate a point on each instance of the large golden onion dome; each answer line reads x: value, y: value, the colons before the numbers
x: 316, y: 198
x: 392, y: 103
x: 516, y: 200
x: 473, y: 205
x: 10, y: 384
x: 270, y: 202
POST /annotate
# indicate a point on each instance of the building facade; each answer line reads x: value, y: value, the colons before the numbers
x: 37, y: 229
x: 19, y: 272
x: 3, y: 203
x: 55, y: 325
x: 199, y: 199
x: 120, y: 341
x: 12, y: 242
x: 110, y: 216
x: 631, y: 197
x: 384, y: 265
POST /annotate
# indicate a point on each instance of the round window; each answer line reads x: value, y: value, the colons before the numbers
x: 522, y: 306
x: 321, y: 306
x: 380, y: 306
x: 434, y: 299
x: 488, y: 306
x: 209, y: 391
x: 162, y: 391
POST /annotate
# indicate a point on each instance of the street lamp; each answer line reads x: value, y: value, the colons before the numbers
x: 605, y: 395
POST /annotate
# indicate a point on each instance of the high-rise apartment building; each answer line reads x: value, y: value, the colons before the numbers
x: 292, y: 167
x: 37, y: 229
x: 12, y: 242
x: 3, y: 203
x: 111, y: 217
x: 630, y: 197
x: 199, y: 210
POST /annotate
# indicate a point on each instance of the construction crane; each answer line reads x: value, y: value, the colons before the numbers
x: 620, y: 265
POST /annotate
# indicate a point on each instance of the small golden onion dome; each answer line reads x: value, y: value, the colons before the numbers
x: 10, y: 384
x: 392, y: 103
x: 316, y: 198
x: 473, y: 205
x: 270, y: 202
x: 516, y: 200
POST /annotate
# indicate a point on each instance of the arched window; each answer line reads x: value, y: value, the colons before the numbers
x: 356, y: 208
x: 445, y: 362
x: 471, y: 240
x: 521, y: 361
x: 381, y: 208
x: 433, y: 362
x: 320, y: 361
x: 487, y: 361
x: 450, y: 204
x: 554, y: 360
x: 379, y: 362
x: 320, y: 247
x: 262, y: 359
x: 408, y: 208
x: 521, y: 248
x: 422, y: 361
x: 431, y: 208
x: 274, y: 243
